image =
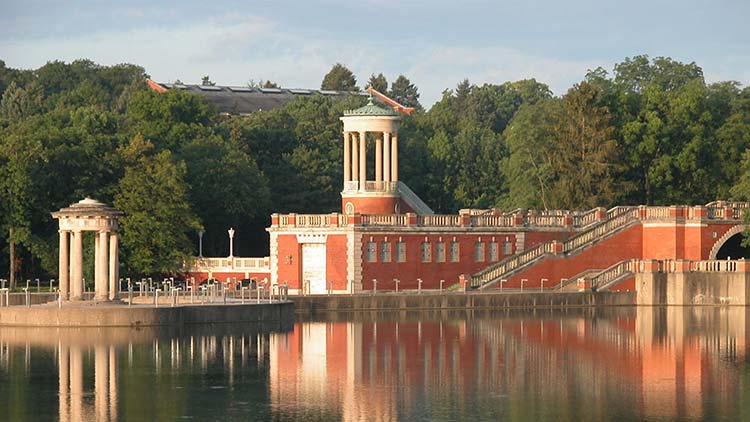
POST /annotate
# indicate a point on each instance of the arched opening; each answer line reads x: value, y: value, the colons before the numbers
x: 733, y: 248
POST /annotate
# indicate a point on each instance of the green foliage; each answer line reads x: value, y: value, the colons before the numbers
x: 153, y: 194
x: 583, y: 151
x: 378, y: 83
x: 650, y: 132
x: 404, y: 92
x: 339, y: 78
x: 528, y: 168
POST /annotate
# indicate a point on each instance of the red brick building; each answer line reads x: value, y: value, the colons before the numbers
x: 385, y: 237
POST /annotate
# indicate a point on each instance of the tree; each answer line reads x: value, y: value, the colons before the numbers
x: 528, y: 169
x: 226, y: 188
x: 339, y: 78
x: 206, y: 81
x: 378, y: 83
x: 583, y: 156
x: 153, y: 195
x: 405, y: 92
x: 260, y: 83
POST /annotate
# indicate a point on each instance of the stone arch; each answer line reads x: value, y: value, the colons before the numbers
x: 723, y: 239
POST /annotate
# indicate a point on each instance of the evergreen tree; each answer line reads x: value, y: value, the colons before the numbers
x: 378, y: 83
x: 339, y: 78
x: 583, y: 157
x: 404, y: 92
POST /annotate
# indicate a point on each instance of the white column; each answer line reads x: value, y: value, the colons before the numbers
x: 64, y: 265
x: 386, y: 157
x: 347, y: 159
x: 112, y: 383
x: 379, y: 159
x: 114, y: 267
x: 76, y: 266
x: 394, y: 157
x: 362, y: 160
x: 64, y: 383
x: 355, y: 159
x: 101, y: 382
x: 101, y: 279
x: 76, y: 383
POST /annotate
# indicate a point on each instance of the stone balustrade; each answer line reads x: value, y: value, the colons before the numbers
x: 519, y: 218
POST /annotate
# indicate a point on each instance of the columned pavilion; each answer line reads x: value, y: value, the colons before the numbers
x: 88, y: 215
x: 379, y: 126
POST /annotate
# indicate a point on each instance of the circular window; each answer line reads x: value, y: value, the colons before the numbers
x: 349, y: 208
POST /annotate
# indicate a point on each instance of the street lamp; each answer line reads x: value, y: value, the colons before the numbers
x: 200, y: 243
x: 231, y: 242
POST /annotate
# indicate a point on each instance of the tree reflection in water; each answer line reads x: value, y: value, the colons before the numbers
x: 587, y: 364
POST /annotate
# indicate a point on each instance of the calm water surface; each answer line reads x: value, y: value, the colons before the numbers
x: 611, y: 364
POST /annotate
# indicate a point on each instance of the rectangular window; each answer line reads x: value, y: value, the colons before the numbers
x: 454, y: 252
x: 400, y: 252
x: 479, y: 251
x: 385, y: 252
x: 507, y: 248
x: 440, y: 251
x: 372, y: 255
x: 493, y: 252
x: 426, y: 252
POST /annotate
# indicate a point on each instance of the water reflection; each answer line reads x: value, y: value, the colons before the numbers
x: 675, y: 363
x: 624, y: 363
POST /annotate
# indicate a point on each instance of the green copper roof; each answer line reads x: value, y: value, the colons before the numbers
x: 370, y: 109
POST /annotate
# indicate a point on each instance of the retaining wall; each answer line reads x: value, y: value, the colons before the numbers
x: 311, y: 304
x: 136, y: 316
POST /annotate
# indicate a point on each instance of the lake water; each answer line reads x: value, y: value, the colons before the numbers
x: 576, y: 365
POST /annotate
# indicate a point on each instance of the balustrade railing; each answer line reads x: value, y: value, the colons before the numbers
x: 493, y: 220
x: 614, y: 274
x: 236, y: 264
x: 714, y: 266
x: 385, y: 220
x: 657, y: 212
x: 439, y: 220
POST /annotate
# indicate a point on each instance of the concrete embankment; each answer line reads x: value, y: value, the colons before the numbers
x: 412, y: 301
x: 87, y: 315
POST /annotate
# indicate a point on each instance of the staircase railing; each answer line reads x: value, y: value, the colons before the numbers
x: 617, y: 218
x: 511, y: 263
x: 613, y: 275
x: 414, y: 201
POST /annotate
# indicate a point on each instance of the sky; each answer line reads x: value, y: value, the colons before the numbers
x: 436, y: 44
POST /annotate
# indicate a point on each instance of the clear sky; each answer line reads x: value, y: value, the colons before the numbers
x: 435, y: 43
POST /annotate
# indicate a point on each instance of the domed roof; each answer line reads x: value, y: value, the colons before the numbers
x: 370, y: 109
x: 87, y: 207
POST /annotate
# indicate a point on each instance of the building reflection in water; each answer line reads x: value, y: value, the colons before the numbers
x: 673, y: 363
x: 645, y: 363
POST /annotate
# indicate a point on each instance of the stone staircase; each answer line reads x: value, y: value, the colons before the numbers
x: 413, y: 200
x: 617, y: 220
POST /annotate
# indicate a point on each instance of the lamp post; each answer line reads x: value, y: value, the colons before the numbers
x: 231, y: 242
x: 200, y: 243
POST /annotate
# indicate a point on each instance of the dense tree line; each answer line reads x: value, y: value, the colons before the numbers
x: 651, y: 132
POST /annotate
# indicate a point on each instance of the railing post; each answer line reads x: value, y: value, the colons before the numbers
x: 419, y: 286
x: 374, y: 286
x: 441, y: 285
x: 156, y: 297
x: 395, y: 280
x: 543, y: 280
x: 502, y: 281
x: 130, y: 296
x: 523, y: 281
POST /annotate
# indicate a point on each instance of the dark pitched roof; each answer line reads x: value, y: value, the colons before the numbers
x: 243, y: 100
